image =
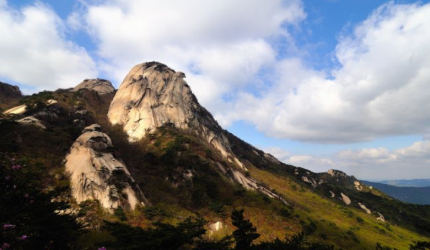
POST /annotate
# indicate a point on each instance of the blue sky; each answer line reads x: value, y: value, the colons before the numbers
x: 319, y: 84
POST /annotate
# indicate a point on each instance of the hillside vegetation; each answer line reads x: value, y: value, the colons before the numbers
x: 179, y: 174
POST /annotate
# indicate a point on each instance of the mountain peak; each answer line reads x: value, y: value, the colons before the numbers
x: 153, y: 95
x: 101, y: 86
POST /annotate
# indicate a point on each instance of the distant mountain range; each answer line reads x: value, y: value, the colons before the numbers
x: 407, y: 183
x: 416, y: 195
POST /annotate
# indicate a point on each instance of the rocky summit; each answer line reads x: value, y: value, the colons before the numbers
x: 101, y: 86
x: 153, y: 95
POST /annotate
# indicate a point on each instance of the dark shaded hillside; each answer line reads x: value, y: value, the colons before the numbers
x: 9, y: 95
x: 414, y: 195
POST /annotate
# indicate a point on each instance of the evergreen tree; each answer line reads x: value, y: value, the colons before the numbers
x: 245, y: 233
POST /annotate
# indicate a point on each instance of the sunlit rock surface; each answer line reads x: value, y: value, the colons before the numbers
x: 345, y: 199
x: 91, y: 167
x: 153, y: 95
x: 101, y: 86
x: 31, y: 120
x: 18, y: 110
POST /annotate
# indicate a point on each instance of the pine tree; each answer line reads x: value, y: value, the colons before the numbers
x: 245, y: 233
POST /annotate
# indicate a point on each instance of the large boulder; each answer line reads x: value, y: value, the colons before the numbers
x: 95, y: 174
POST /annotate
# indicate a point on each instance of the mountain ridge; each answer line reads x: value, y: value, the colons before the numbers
x: 183, y: 174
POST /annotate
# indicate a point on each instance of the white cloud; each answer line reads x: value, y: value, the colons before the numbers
x: 316, y: 164
x: 380, y: 89
x: 418, y: 150
x: 35, y: 52
x: 367, y: 163
x: 221, y: 45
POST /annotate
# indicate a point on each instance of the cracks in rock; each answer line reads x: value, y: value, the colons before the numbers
x: 147, y: 90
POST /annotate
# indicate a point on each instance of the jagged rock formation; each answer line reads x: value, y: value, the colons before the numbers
x: 101, y: 86
x: 95, y: 174
x: 153, y: 95
x: 340, y: 178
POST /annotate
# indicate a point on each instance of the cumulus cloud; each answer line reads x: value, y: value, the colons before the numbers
x: 316, y: 164
x: 221, y: 45
x: 418, y: 150
x: 380, y: 89
x: 367, y: 163
x: 35, y: 51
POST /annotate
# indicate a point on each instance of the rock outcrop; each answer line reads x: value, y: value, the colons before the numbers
x: 101, y: 86
x: 95, y: 174
x: 153, y: 95
x: 345, y: 199
x: 365, y: 209
x: 9, y: 91
x: 31, y: 120
x: 18, y: 110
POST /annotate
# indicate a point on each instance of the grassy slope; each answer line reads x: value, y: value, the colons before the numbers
x: 337, y: 221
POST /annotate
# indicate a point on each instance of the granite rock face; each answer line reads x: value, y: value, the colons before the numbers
x: 101, y: 86
x: 153, y: 95
x: 95, y: 174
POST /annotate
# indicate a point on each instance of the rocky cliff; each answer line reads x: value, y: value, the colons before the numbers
x: 95, y: 174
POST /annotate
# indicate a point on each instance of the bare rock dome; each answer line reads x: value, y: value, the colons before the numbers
x: 153, y: 95
x: 101, y: 86
x: 95, y: 174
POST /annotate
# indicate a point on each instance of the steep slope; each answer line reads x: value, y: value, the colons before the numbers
x: 414, y: 195
x: 153, y: 95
